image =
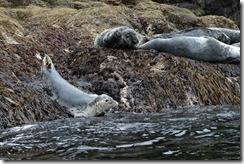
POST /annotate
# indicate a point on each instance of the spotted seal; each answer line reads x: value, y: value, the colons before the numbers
x: 121, y: 37
x: 71, y: 99
x: 198, y: 48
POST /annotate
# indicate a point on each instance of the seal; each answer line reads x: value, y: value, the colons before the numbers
x: 71, y: 99
x: 197, y: 32
x: 198, y: 48
x: 237, y: 44
x: 234, y: 35
x: 121, y: 37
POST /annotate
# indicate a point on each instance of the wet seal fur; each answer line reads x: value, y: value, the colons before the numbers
x: 198, y: 48
x: 71, y: 99
x: 120, y: 37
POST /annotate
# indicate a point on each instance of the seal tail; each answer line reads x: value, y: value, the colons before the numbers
x: 47, y: 62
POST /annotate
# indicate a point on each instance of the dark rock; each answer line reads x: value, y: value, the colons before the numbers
x: 229, y: 9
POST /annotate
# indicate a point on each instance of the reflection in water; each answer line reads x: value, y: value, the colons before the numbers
x: 174, y: 134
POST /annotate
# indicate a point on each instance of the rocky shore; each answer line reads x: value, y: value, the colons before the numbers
x: 141, y: 81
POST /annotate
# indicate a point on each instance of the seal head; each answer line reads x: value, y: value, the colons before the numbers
x: 129, y: 38
x: 101, y: 104
x: 121, y: 37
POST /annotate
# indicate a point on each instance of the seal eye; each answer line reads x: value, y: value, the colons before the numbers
x: 106, y: 100
x: 127, y: 36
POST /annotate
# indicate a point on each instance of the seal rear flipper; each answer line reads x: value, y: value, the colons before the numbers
x: 232, y: 60
x: 47, y: 62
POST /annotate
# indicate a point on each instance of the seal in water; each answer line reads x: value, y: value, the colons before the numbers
x: 197, y: 32
x: 120, y: 37
x: 71, y: 99
x: 198, y: 48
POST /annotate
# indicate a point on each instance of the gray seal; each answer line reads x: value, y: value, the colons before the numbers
x: 216, y: 33
x: 237, y: 44
x: 71, y: 99
x: 198, y: 48
x: 234, y: 35
x: 121, y: 37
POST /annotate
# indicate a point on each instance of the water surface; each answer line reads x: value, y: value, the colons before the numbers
x: 199, y: 133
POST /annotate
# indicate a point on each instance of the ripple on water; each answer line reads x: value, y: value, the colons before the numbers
x: 177, y: 134
x: 85, y: 148
x: 144, y: 143
x: 205, y: 135
x: 170, y: 152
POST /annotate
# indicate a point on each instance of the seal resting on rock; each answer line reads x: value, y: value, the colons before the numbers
x: 120, y: 37
x: 71, y: 99
x: 234, y: 35
x: 216, y: 33
x: 198, y: 48
x: 237, y: 44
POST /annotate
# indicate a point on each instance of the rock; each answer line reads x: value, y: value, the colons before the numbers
x: 229, y: 9
x: 196, y: 6
x: 146, y: 81
x: 4, y: 3
x: 55, y: 3
x: 139, y: 80
x: 164, y: 18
